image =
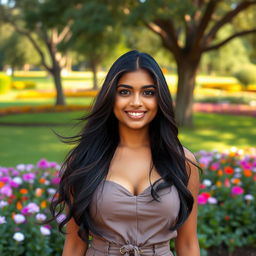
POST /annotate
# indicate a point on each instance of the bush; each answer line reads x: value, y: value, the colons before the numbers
x: 5, y: 83
x: 21, y: 85
x: 227, y: 207
x: 222, y: 86
x: 25, y: 192
x: 246, y: 75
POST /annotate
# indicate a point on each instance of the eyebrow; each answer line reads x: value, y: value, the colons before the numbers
x: 130, y: 87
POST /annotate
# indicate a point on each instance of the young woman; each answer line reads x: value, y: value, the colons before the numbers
x: 129, y: 183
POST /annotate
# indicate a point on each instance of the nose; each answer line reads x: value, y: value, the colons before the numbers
x: 136, y: 100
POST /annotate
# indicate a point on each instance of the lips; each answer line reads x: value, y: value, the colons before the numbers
x: 135, y: 114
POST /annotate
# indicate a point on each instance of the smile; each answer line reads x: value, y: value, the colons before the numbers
x: 135, y: 115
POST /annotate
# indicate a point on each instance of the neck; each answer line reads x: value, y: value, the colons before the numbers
x: 133, y: 138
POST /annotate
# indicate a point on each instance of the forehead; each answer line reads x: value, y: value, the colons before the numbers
x: 136, y: 78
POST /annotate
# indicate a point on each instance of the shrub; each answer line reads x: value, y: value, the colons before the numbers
x: 5, y: 83
x: 25, y: 192
x: 227, y: 207
x: 246, y: 75
x: 20, y: 85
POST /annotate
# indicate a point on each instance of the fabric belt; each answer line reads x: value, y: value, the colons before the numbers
x: 103, y: 247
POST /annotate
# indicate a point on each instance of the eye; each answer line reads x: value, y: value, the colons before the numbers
x: 149, y: 92
x: 124, y: 92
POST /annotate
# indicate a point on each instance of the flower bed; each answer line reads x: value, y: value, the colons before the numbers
x: 41, y: 109
x: 25, y: 192
x: 227, y: 208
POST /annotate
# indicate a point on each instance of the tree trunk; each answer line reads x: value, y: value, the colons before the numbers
x: 60, y: 98
x: 94, y: 72
x: 184, y: 97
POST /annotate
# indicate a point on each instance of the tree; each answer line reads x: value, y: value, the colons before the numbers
x: 188, y: 29
x: 17, y: 51
x: 42, y: 22
x: 94, y: 33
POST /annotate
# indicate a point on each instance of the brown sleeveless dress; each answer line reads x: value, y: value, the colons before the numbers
x: 132, y: 225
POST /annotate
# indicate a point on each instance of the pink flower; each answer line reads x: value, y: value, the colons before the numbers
x: 236, y: 190
x: 14, y: 184
x: 29, y: 177
x: 6, y: 190
x: 55, y: 180
x: 30, y: 208
x: 215, y: 166
x: 43, y: 164
x: 201, y: 199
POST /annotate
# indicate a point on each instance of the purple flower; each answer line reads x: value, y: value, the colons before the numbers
x: 29, y: 177
x: 5, y: 179
x: 43, y: 164
x: 55, y: 180
x: 14, y: 184
x: 6, y: 190
x: 212, y: 200
x: 61, y: 217
x: 30, y: 208
x: 2, y: 220
x: 3, y: 204
x: 41, y: 217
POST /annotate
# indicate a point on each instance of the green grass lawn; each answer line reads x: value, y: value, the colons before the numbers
x: 21, y: 144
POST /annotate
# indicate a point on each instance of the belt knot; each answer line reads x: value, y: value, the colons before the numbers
x: 127, y: 249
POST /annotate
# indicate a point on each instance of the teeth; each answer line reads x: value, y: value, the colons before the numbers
x: 135, y: 114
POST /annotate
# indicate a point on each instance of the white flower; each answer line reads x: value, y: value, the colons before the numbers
x: 237, y: 169
x: 21, y: 167
x: 212, y: 200
x: 45, y: 231
x: 3, y: 203
x: 61, y: 217
x: 51, y: 191
x: 237, y: 175
x: 18, y: 180
x: 248, y: 197
x: 47, y: 182
x: 40, y: 217
x: 18, y: 236
x: 29, y: 167
x: 2, y: 220
x: 19, y: 218
x: 207, y: 182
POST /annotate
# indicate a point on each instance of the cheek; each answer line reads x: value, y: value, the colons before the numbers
x: 119, y: 105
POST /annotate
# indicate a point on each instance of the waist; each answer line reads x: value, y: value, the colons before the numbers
x: 103, y: 247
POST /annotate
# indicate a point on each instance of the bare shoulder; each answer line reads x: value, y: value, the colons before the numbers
x: 189, y: 155
x: 193, y: 172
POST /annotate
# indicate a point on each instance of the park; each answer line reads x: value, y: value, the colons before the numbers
x: 54, y: 57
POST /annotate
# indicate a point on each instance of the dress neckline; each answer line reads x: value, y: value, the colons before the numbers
x: 128, y: 191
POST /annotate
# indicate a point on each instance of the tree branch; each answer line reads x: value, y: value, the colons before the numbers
x: 204, y: 22
x: 168, y: 43
x: 33, y: 42
x: 227, y: 18
x: 218, y: 45
x: 64, y: 34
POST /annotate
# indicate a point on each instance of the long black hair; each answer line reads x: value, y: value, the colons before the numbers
x: 87, y: 164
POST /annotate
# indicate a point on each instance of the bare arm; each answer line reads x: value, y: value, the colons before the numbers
x: 73, y: 245
x: 186, y: 242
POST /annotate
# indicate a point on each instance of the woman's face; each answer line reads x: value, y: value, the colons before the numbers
x: 135, y: 102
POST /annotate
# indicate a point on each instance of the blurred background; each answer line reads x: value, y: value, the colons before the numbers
x: 54, y: 56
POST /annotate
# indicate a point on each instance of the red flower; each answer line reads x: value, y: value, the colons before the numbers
x: 228, y: 170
